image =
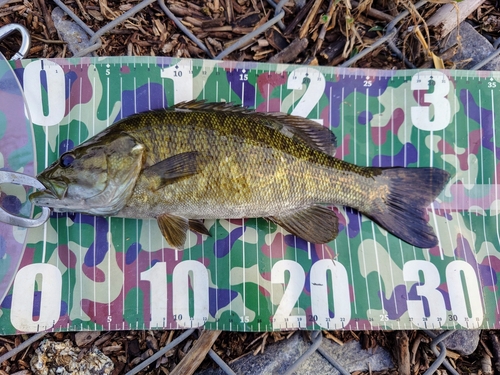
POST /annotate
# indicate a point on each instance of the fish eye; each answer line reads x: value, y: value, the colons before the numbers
x: 66, y: 160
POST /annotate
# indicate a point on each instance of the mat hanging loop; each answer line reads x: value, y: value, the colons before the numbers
x: 25, y: 180
x: 25, y: 41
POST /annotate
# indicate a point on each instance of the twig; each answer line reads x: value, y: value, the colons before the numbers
x: 322, y: 33
x: 414, y: 347
x: 328, y: 335
x: 334, y: 50
x: 486, y: 349
x: 449, y: 16
x: 197, y: 354
x: 402, y: 353
x: 291, y: 26
x: 290, y: 52
x: 50, y: 41
x: 496, y: 349
x: 375, y: 13
x: 47, y: 17
x: 304, y: 30
x: 229, y: 11
x: 82, y: 10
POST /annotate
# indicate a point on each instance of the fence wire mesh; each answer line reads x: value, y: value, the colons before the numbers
x: 315, y: 346
x: 390, y: 33
x: 389, y: 36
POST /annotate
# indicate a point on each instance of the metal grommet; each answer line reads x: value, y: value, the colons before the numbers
x: 26, y: 39
x: 24, y: 180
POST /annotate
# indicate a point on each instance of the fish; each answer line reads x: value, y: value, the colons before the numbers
x: 198, y: 160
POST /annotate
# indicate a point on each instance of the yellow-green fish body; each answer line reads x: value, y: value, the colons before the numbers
x: 207, y: 161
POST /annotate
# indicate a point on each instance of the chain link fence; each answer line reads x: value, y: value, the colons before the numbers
x: 316, y: 341
x: 390, y: 33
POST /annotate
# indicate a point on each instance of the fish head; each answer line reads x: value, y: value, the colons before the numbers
x: 96, y: 177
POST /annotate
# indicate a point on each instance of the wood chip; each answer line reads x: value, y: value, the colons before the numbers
x: 195, y: 356
x: 276, y: 39
x: 48, y: 18
x: 402, y: 353
x: 84, y: 338
x: 449, y: 16
x: 291, y: 52
x: 96, y: 14
x: 107, y: 350
x: 103, y: 339
x: 304, y: 30
x: 329, y: 336
x: 452, y: 354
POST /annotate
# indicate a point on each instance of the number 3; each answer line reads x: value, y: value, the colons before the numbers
x: 437, y: 86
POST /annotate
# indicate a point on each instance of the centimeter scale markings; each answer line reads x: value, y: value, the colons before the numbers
x: 95, y: 273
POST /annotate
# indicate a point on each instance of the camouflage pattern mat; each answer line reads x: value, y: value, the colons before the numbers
x: 80, y: 272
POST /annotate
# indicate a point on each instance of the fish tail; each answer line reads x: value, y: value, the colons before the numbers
x: 402, y: 210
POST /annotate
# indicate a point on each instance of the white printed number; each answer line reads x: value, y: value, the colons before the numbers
x: 45, y: 109
x: 182, y: 77
x: 313, y: 93
x: 460, y: 276
x: 188, y: 274
x: 438, y: 115
x: 48, y: 278
x: 319, y: 294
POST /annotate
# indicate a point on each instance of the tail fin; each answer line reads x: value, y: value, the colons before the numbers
x: 402, y: 210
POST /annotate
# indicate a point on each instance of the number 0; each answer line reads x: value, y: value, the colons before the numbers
x: 21, y: 314
x: 340, y: 291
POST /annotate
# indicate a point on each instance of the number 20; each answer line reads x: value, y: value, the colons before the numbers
x: 319, y: 292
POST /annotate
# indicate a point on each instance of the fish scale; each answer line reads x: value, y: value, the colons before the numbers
x: 249, y: 154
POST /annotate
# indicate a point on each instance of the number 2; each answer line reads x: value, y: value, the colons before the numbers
x: 292, y: 290
x: 313, y: 93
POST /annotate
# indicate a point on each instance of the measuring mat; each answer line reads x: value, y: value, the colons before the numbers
x: 80, y: 272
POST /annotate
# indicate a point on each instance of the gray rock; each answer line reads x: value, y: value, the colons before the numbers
x: 474, y: 47
x: 75, y: 37
x: 278, y: 357
x: 464, y: 341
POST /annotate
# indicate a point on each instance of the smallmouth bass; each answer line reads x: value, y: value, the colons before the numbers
x: 200, y: 160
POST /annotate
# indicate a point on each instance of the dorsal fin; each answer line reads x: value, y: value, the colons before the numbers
x: 302, y: 129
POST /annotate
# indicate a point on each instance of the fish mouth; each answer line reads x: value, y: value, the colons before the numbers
x: 54, y: 189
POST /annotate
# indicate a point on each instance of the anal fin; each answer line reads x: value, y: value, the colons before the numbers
x: 174, y: 229
x: 198, y: 226
x: 316, y: 224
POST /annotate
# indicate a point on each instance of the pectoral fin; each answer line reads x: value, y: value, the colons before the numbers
x: 175, y: 167
x: 174, y: 229
x: 316, y: 224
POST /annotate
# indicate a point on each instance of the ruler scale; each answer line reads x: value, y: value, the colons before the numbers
x: 79, y: 272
